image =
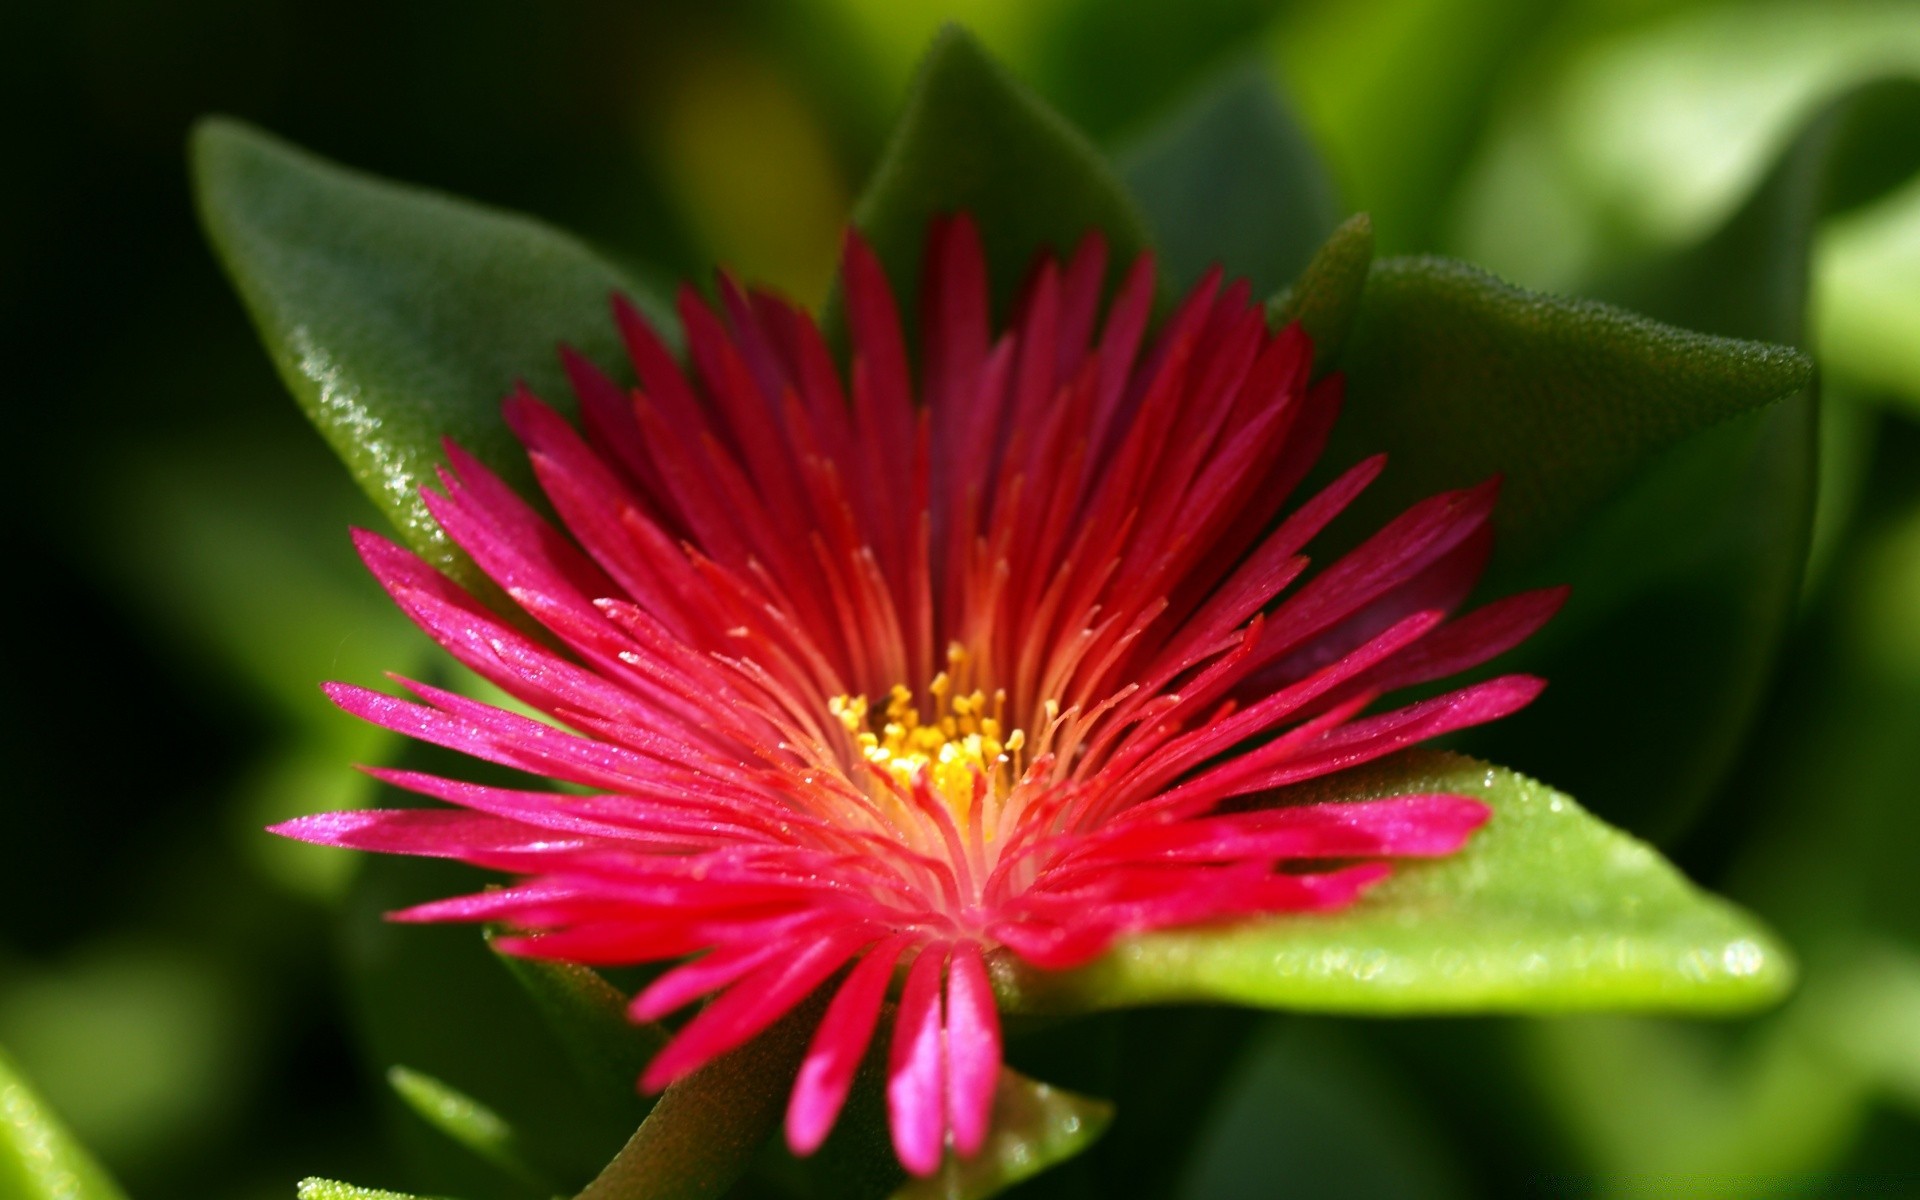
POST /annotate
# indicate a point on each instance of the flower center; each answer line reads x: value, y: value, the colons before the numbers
x: 961, y: 745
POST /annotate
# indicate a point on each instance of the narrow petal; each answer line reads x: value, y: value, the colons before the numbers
x: 826, y: 1075
x: 973, y: 1049
x: 916, y: 1101
x: 746, y: 1008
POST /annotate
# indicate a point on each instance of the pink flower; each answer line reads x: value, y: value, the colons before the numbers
x: 892, y: 678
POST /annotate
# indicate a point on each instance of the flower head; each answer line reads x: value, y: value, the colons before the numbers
x: 858, y: 678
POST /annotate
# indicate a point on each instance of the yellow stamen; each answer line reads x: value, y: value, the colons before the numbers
x: 964, y: 737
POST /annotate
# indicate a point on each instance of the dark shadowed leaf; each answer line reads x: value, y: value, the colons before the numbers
x: 1460, y: 377
x: 589, y: 1016
x: 398, y: 316
x: 1546, y: 910
x: 436, y: 999
x: 467, y: 1121
x: 973, y: 139
x: 1231, y: 180
x: 706, y: 1129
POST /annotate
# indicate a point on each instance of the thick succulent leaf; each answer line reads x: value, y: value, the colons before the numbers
x: 330, y: 1189
x: 1685, y: 590
x: 1034, y: 1127
x: 705, y: 1130
x: 39, y: 1159
x: 589, y: 1016
x: 1231, y: 180
x: 1546, y: 910
x: 398, y: 316
x: 1326, y: 296
x: 465, y: 1120
x: 974, y: 139
x: 1460, y: 377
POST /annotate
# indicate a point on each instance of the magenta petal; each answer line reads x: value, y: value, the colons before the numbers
x: 833, y: 1059
x: 836, y: 665
x: 973, y: 1049
x: 916, y: 1100
x: 745, y: 1009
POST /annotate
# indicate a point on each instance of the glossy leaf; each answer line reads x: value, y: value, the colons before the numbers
x: 1231, y: 180
x: 589, y: 1016
x: 39, y: 1159
x: 1326, y: 296
x: 398, y: 316
x: 1034, y: 1127
x: 974, y: 139
x: 1460, y: 377
x: 466, y: 1121
x: 1546, y: 910
x: 705, y: 1130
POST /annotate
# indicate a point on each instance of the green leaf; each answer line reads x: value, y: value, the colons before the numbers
x: 1684, y: 592
x: 466, y: 1121
x: 589, y: 1016
x: 1034, y: 1127
x: 1460, y: 377
x: 974, y: 139
x: 1326, y: 296
x: 39, y: 1159
x: 329, y: 1189
x: 1231, y: 180
x: 705, y: 1130
x: 398, y: 316
x: 1546, y: 910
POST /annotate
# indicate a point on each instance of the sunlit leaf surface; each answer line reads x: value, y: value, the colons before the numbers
x: 398, y: 316
x: 39, y: 1160
x: 1547, y: 910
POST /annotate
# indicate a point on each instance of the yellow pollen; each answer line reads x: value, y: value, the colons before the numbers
x: 964, y: 739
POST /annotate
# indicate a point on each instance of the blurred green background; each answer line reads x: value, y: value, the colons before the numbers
x: 180, y: 986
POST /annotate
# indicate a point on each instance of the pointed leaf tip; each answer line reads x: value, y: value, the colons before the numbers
x: 1231, y: 179
x: 1326, y: 296
x: 397, y: 316
x: 465, y: 1120
x: 974, y: 139
x: 1458, y: 375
